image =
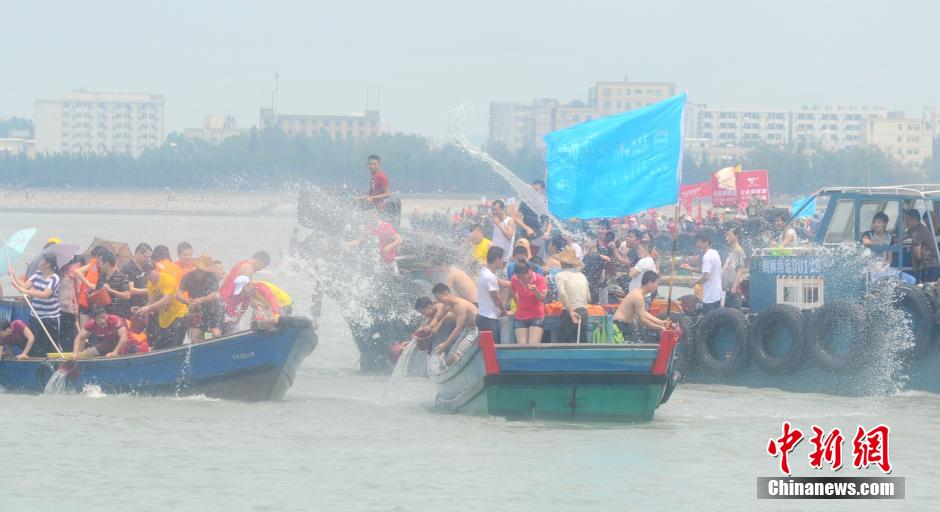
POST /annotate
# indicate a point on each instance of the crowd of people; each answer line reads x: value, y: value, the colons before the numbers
x: 102, y: 307
x: 526, y: 266
x: 521, y: 263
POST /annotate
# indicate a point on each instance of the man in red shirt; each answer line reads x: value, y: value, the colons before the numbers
x: 387, y: 239
x: 16, y: 334
x: 379, y: 191
x: 105, y: 334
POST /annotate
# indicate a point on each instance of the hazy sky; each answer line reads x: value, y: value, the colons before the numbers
x: 430, y: 57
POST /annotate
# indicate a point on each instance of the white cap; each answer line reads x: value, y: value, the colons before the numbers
x: 240, y: 283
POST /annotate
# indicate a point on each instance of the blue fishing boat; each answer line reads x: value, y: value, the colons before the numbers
x: 566, y: 381
x: 253, y: 365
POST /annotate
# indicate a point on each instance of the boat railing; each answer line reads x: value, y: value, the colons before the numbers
x: 918, y: 190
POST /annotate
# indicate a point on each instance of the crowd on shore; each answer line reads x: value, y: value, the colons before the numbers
x: 108, y: 304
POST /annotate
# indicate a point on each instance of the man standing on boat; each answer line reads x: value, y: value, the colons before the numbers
x: 465, y: 334
x: 711, y: 273
x: 923, y: 247
x: 504, y: 227
x: 574, y: 293
x: 379, y: 188
x: 489, y: 300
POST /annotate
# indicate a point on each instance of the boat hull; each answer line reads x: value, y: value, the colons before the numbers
x: 583, y: 382
x: 248, y: 366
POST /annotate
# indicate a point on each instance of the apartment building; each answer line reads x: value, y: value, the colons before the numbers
x: 215, y: 128
x: 908, y: 140
x: 833, y: 127
x: 516, y: 125
x: 354, y: 126
x: 99, y: 122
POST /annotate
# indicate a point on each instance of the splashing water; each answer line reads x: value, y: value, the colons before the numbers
x: 58, y: 384
x: 882, y: 370
x: 184, y: 377
x: 525, y: 192
x: 393, y: 388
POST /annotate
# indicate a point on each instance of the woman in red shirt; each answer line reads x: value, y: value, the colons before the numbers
x: 528, y: 288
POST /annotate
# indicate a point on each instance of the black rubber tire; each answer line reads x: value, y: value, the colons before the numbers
x: 721, y: 318
x: 772, y: 319
x: 685, y: 350
x: 914, y: 302
x: 829, y: 318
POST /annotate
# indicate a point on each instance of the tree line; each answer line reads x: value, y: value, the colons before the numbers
x: 268, y: 159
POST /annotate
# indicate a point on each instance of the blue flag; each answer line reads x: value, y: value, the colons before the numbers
x: 803, y: 208
x: 617, y: 165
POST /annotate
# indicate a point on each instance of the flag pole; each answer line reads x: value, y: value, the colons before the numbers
x: 675, y: 234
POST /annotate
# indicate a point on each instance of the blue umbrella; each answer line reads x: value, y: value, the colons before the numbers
x: 14, y: 246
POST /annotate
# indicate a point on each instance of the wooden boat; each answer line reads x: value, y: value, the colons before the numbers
x: 253, y: 365
x: 568, y: 381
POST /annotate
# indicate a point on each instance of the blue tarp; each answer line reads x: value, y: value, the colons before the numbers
x: 803, y: 208
x: 617, y: 165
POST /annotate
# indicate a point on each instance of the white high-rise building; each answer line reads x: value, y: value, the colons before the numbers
x: 99, y: 122
x: 833, y: 127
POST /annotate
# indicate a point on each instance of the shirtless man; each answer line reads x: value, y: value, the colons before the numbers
x: 457, y: 280
x: 465, y: 333
x: 434, y: 314
x: 632, y: 312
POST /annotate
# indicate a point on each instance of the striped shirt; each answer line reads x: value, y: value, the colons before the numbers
x: 49, y: 307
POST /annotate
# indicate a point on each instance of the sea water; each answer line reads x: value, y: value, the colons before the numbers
x: 332, y: 444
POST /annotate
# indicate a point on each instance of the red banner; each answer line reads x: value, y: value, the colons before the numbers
x: 721, y: 196
x: 694, y: 191
x: 752, y: 184
x: 748, y: 184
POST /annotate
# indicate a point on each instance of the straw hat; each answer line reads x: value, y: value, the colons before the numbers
x: 204, y: 263
x: 568, y: 257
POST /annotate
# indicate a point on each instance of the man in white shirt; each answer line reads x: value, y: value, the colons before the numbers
x: 489, y: 302
x: 644, y: 264
x: 711, y: 274
x: 504, y: 228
